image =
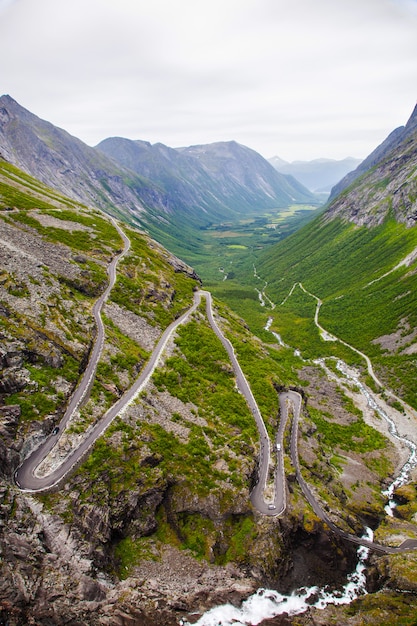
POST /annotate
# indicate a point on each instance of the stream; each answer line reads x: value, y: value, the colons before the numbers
x: 404, y: 476
x: 269, y: 603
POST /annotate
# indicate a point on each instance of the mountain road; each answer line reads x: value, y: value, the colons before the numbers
x: 27, y: 479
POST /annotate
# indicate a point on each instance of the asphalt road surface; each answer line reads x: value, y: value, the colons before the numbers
x: 293, y: 400
x: 27, y: 480
x: 25, y: 476
x: 277, y: 505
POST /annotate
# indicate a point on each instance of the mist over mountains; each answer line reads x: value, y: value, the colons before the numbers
x: 158, y: 521
x: 318, y: 175
x: 144, y: 183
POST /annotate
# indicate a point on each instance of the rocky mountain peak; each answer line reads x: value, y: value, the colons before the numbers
x: 411, y: 125
x: 7, y: 101
x: 384, y: 183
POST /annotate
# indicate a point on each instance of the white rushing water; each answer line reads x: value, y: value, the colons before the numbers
x: 404, y: 475
x: 276, y: 335
x: 263, y: 298
x: 268, y: 603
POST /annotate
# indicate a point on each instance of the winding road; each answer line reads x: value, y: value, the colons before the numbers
x: 27, y: 479
x: 293, y: 399
x: 278, y: 505
x: 25, y: 476
x: 331, y: 337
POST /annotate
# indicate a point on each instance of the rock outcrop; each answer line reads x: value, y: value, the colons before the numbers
x: 384, y: 184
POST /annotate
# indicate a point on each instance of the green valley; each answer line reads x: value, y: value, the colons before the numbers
x: 156, y: 517
x: 352, y: 286
x: 215, y: 249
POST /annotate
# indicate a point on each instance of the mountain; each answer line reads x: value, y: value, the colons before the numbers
x: 359, y: 257
x: 186, y: 184
x: 162, y: 189
x: 245, y: 171
x: 217, y: 180
x: 318, y: 175
x: 389, y: 145
x: 384, y: 184
x: 64, y: 162
x: 277, y: 162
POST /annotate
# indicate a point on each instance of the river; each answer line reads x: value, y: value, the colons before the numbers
x: 404, y: 475
x: 268, y: 603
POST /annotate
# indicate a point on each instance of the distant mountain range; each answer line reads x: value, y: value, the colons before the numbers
x: 360, y: 257
x: 318, y: 175
x: 178, y: 467
x: 151, y: 185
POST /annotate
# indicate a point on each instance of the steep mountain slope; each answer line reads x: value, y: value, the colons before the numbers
x: 241, y: 170
x: 190, y: 190
x: 395, y: 140
x: 170, y: 193
x: 70, y: 166
x: 213, y: 181
x: 157, y: 521
x: 318, y: 174
x: 359, y: 257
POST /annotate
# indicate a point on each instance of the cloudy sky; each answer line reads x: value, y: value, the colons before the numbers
x: 301, y: 79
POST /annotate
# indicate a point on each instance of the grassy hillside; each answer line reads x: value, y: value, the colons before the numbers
x: 189, y: 436
x: 364, y: 302
x: 176, y: 468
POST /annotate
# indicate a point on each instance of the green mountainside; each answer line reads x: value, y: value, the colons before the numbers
x: 157, y: 520
x: 359, y: 257
x: 365, y: 300
x: 170, y: 193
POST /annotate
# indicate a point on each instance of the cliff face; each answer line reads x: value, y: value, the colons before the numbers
x: 157, y: 521
x: 48, y: 575
x: 385, y: 183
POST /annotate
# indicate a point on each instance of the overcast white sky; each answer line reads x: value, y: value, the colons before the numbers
x: 301, y: 79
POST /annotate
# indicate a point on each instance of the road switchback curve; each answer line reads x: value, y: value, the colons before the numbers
x: 27, y: 480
